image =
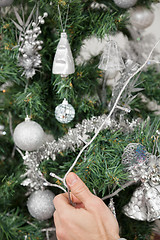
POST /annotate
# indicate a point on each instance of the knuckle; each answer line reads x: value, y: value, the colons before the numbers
x: 79, y: 189
x: 96, y: 203
x: 60, y: 233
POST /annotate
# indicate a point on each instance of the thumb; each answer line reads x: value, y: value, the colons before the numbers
x: 78, y: 188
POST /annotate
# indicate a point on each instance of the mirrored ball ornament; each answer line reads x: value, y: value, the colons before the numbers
x: 5, y: 3
x: 125, y: 3
x: 40, y: 204
x: 64, y: 112
x: 28, y: 135
x: 141, y: 17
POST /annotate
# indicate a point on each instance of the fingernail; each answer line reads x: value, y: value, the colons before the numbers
x: 71, y: 179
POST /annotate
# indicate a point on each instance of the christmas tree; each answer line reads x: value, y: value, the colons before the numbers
x: 66, y: 108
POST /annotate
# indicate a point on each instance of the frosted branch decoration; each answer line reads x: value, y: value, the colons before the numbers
x: 28, y: 57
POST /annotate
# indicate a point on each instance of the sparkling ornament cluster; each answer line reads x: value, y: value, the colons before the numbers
x: 29, y: 58
x: 141, y: 165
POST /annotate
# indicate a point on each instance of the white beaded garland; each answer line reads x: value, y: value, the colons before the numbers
x: 64, y: 112
x: 125, y: 3
x: 28, y: 135
x: 141, y: 17
x: 40, y: 204
x: 5, y: 3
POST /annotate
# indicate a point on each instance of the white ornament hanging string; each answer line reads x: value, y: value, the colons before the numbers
x: 60, y: 16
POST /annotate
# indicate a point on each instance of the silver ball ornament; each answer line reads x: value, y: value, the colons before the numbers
x: 125, y: 3
x: 141, y: 17
x: 40, y: 204
x: 64, y: 112
x: 5, y: 3
x: 28, y: 135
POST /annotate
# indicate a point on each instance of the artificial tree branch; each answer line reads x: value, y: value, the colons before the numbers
x: 119, y: 190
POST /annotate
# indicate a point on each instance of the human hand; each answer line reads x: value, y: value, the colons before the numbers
x: 91, y: 219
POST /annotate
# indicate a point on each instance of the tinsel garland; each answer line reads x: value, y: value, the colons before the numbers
x: 75, y: 138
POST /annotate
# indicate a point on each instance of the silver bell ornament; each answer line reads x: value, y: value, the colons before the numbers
x: 144, y: 205
x: 125, y: 3
x: 141, y: 17
x: 40, y: 204
x: 28, y: 135
x: 111, y: 59
x: 63, y: 63
x: 5, y: 3
x: 64, y: 112
x: 141, y: 165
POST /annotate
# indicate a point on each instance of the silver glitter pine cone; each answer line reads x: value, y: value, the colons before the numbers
x: 125, y: 3
x: 5, y: 3
x: 40, y: 204
x: 28, y: 135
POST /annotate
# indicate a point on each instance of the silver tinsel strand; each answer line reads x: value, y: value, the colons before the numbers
x: 75, y: 138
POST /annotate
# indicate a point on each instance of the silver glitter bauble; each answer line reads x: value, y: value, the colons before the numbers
x: 125, y: 3
x: 40, y: 204
x: 64, y: 112
x: 5, y: 3
x: 141, y: 17
x: 63, y: 63
x: 28, y: 135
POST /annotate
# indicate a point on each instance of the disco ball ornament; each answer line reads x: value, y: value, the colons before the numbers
x: 64, y: 112
x: 125, y: 3
x: 28, y: 135
x: 40, y: 204
x: 5, y: 3
x: 141, y: 17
